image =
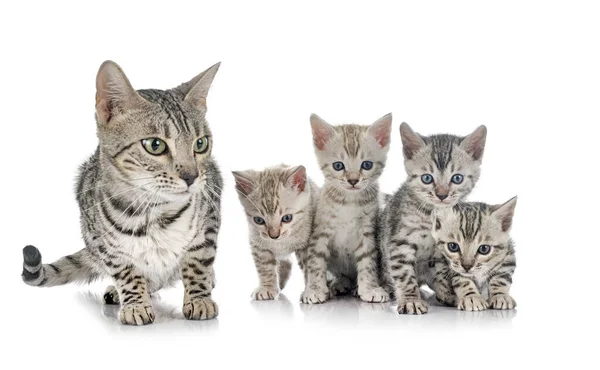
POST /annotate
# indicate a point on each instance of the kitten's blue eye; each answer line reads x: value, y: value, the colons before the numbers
x: 453, y: 247
x: 338, y: 166
x: 286, y: 218
x: 259, y: 220
x: 366, y: 165
x: 154, y: 146
x: 457, y: 178
x: 484, y: 249
x: 201, y: 145
x: 427, y: 179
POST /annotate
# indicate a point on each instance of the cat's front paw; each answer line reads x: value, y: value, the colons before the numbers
x: 374, y: 295
x: 265, y: 294
x: 341, y: 286
x: 472, y: 303
x: 413, y: 306
x: 502, y: 302
x: 314, y: 296
x: 137, y: 314
x: 200, y: 309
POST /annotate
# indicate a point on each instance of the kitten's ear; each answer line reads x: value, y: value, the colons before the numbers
x: 321, y: 130
x: 297, y: 178
x: 411, y: 141
x: 381, y: 130
x: 504, y: 213
x: 475, y: 142
x: 114, y: 93
x: 244, y: 182
x: 196, y: 90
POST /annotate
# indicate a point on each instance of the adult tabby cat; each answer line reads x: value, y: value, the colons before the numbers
x: 280, y: 204
x: 442, y: 170
x: 343, y: 247
x: 149, y: 199
x: 474, y: 259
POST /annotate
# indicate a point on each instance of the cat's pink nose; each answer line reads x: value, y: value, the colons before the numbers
x: 273, y: 233
x: 352, y: 182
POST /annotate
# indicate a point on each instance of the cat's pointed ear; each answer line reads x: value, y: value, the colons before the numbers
x: 114, y: 93
x: 475, y: 142
x: 297, y: 178
x: 196, y: 90
x: 244, y: 181
x: 504, y: 213
x: 381, y: 130
x: 411, y: 141
x: 321, y: 130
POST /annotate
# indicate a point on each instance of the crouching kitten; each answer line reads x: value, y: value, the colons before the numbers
x: 279, y: 204
x: 475, y: 256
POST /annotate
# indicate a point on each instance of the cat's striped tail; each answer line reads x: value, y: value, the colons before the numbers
x: 72, y: 268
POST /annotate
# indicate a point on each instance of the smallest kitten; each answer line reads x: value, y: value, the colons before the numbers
x: 279, y: 203
x: 475, y: 256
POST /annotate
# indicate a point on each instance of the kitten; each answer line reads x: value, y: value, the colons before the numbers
x: 477, y: 255
x: 280, y: 204
x: 343, y: 244
x: 442, y: 170
x: 149, y: 199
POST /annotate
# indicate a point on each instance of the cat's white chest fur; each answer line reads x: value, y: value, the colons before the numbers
x: 347, y: 237
x: 158, y: 253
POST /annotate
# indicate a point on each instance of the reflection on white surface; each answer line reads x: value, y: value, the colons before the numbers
x: 338, y: 313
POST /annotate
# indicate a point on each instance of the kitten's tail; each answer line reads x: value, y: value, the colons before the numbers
x: 72, y: 268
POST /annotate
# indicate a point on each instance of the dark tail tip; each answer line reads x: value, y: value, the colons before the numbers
x: 32, y: 256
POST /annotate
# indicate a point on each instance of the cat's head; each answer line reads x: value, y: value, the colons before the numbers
x: 473, y: 237
x: 153, y: 139
x: 275, y: 200
x: 351, y: 156
x: 442, y: 169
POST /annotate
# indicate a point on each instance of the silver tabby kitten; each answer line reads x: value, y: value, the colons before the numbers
x: 442, y: 170
x: 474, y: 256
x: 343, y: 244
x: 149, y: 199
x: 280, y: 205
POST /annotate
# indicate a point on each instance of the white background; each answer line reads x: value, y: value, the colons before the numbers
x: 530, y: 71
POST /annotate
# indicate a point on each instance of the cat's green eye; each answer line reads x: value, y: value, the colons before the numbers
x: 154, y: 146
x: 201, y: 145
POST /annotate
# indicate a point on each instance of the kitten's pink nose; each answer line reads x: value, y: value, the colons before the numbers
x: 273, y: 233
x: 467, y: 266
x: 352, y: 182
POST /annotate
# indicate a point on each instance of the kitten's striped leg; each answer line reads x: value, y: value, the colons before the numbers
x: 467, y: 295
x: 284, y: 271
x: 499, y: 286
x: 443, y: 283
x: 266, y: 267
x: 366, y: 257
x: 315, y: 264
x: 197, y: 275
x: 136, y: 305
x: 403, y: 258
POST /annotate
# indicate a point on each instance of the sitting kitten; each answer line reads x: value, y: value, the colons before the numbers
x: 442, y: 170
x: 149, y: 199
x: 478, y: 255
x: 343, y: 243
x: 279, y: 203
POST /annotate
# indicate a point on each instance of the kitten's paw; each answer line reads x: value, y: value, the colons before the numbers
x: 472, y: 303
x: 111, y: 296
x: 341, y: 286
x: 446, y: 300
x: 502, y: 302
x: 412, y: 307
x: 200, y: 309
x: 375, y: 295
x: 265, y: 294
x: 136, y: 314
x: 313, y: 296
